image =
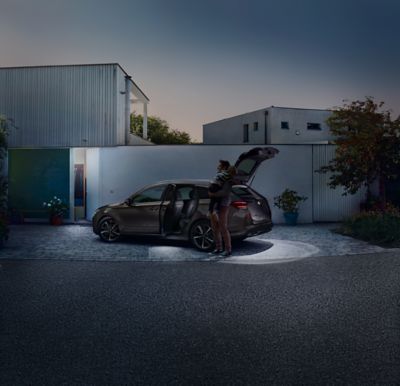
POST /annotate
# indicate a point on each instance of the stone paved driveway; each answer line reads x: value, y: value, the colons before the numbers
x: 77, y: 242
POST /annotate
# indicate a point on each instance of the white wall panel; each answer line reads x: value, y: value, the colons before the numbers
x: 123, y: 170
x: 120, y: 171
x: 93, y: 187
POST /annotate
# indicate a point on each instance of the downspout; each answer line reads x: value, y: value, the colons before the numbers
x: 127, y: 108
x: 265, y: 127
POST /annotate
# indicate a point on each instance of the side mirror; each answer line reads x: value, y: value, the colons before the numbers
x: 128, y: 201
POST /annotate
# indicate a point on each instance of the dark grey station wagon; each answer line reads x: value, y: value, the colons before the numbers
x: 177, y: 209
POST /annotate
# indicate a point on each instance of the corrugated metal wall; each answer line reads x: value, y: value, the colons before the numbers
x: 329, y: 204
x: 61, y: 106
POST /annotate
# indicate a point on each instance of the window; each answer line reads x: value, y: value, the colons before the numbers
x: 202, y: 192
x: 149, y: 195
x: 246, y: 133
x: 255, y: 126
x: 313, y: 126
x: 184, y: 193
x: 246, y: 166
x: 285, y: 125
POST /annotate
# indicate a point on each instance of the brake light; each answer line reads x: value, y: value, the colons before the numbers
x: 239, y: 204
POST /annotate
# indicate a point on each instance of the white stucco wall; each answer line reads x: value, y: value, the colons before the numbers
x: 230, y: 130
x: 298, y: 119
x: 93, y: 186
x: 115, y: 173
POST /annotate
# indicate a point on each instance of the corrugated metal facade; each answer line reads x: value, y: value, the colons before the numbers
x: 63, y: 106
x: 329, y: 204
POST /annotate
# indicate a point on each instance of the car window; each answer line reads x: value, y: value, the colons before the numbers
x: 202, y: 192
x: 246, y: 166
x: 149, y: 195
x: 184, y: 192
x: 241, y: 192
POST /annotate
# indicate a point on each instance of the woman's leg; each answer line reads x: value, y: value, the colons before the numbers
x: 223, y: 227
x: 216, y: 231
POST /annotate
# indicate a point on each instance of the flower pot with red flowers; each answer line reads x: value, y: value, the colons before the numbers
x: 56, y: 209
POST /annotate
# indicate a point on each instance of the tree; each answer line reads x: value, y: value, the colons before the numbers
x: 158, y: 131
x: 368, y: 147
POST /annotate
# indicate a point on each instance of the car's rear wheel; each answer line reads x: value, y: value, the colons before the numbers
x: 109, y: 230
x: 201, y: 235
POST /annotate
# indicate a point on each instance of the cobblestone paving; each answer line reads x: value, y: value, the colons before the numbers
x: 77, y: 242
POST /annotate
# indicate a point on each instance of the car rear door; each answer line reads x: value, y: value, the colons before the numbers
x: 256, y: 204
x: 248, y: 163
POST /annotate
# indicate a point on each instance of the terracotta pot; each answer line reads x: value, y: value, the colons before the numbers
x: 56, y: 220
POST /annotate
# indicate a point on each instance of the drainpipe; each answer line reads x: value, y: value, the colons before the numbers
x: 127, y: 108
x: 265, y: 127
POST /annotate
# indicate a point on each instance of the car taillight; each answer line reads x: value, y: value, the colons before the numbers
x: 239, y: 204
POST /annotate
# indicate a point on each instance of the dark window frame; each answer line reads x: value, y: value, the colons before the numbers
x: 255, y: 126
x: 314, y: 126
x: 284, y: 125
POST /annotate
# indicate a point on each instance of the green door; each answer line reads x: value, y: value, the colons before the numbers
x: 36, y: 176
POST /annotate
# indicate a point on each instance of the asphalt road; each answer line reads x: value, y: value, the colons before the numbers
x: 316, y: 321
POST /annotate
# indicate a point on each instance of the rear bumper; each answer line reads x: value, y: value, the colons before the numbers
x: 254, y: 230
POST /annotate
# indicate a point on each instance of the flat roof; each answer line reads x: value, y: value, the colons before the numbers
x: 78, y: 65
x: 266, y: 109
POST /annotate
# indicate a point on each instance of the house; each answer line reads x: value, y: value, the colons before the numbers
x: 55, y: 114
x: 69, y: 137
x: 272, y: 125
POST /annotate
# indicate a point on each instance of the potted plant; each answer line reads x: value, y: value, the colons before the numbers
x: 56, y: 208
x: 289, y: 202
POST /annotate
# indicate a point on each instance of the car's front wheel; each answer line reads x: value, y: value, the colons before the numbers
x: 201, y: 235
x: 109, y: 230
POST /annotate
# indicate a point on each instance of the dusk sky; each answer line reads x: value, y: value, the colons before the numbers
x: 201, y: 61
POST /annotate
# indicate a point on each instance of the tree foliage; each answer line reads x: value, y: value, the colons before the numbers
x: 158, y: 131
x: 368, y: 147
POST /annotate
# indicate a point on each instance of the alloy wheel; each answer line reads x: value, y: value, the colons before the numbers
x: 201, y: 235
x: 109, y: 230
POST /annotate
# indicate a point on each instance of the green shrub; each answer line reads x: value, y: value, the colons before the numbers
x: 382, y: 227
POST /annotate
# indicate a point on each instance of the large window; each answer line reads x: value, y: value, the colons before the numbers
x: 245, y: 133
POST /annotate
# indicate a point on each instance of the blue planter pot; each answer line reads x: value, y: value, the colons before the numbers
x: 291, y: 218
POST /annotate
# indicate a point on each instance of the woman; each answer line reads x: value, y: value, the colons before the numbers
x: 219, y: 216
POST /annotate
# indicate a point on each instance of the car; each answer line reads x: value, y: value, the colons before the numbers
x: 178, y: 209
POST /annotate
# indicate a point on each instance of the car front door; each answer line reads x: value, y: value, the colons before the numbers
x: 142, y: 215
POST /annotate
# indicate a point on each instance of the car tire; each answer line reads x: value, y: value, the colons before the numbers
x: 109, y: 230
x: 201, y: 236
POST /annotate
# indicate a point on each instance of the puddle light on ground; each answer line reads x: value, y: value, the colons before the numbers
x: 281, y: 250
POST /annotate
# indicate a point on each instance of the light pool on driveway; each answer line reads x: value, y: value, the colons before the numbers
x: 280, y: 251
